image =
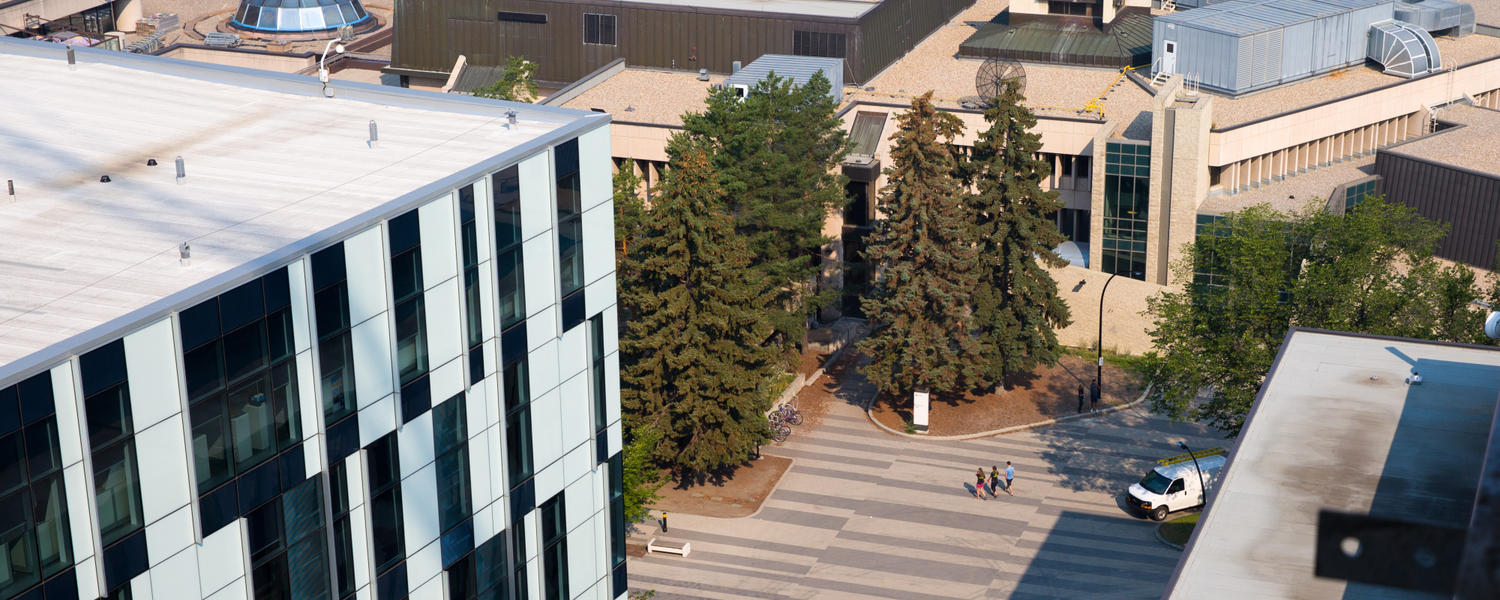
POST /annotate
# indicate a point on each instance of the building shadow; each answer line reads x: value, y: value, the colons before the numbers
x: 1094, y: 556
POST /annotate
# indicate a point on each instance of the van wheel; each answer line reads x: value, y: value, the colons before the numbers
x: 1159, y: 513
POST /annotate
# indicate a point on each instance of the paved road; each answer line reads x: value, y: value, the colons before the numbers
x: 864, y: 514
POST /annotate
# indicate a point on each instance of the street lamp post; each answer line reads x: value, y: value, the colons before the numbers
x: 1099, y: 373
x: 1099, y: 369
x: 1202, y: 489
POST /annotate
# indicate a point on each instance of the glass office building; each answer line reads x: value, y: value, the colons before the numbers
x: 388, y: 373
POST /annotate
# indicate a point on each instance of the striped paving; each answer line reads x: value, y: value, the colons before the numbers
x: 864, y: 514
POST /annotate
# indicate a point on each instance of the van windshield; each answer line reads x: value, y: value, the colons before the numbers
x: 1155, y: 482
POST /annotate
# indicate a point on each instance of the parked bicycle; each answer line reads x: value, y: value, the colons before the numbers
x: 788, y: 414
x: 780, y: 431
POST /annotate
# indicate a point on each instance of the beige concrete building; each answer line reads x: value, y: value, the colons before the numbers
x: 1138, y: 164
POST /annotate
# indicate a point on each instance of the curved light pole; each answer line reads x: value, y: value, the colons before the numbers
x: 1099, y: 370
x: 1202, y: 489
x: 333, y: 44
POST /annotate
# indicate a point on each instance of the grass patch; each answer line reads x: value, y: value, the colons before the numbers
x: 1136, y: 364
x: 1178, y: 530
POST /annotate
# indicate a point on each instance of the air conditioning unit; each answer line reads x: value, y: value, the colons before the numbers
x: 741, y: 91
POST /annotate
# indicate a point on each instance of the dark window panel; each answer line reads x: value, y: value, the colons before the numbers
x: 506, y: 192
x: 269, y: 579
x: 601, y: 447
x: 383, y: 458
x: 411, y: 339
x: 573, y: 307
x: 331, y: 310
x: 463, y: 583
x: 336, y: 359
x: 294, y: 472
x: 49, y: 513
x: 210, y: 442
x: 241, y: 306
x: 405, y: 232
x: 64, y: 585
x: 343, y: 556
x: 35, y: 394
x: 520, y: 17
x: 103, y: 367
x: 387, y: 536
x: 570, y: 256
x: 619, y: 581
x: 219, y: 508
x: 259, y: 486
x: 307, y: 574
x: 279, y: 334
x: 518, y: 444
x: 328, y: 266
x: 199, y: 324
x: 117, y: 491
x: 454, y: 502
x: 244, y: 351
x: 510, y: 272
x: 285, y: 406
x: 124, y: 561
x: 252, y: 423
x: 263, y: 530
x: 17, y: 544
x: 513, y: 344
x: 406, y: 274
x: 302, y: 505
x: 522, y: 497
x: 449, y: 424
x: 203, y: 369
x: 457, y: 542
x: 476, y: 364
x: 416, y: 398
x: 343, y: 439
x: 475, y: 325
x: 42, y: 454
x: 10, y: 410
x: 278, y: 290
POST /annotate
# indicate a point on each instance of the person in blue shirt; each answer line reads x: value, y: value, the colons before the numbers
x: 1010, y: 478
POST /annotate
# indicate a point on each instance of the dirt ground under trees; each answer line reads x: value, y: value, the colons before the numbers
x: 1046, y: 393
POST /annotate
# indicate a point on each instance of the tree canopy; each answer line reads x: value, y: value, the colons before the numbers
x: 926, y: 262
x: 696, y: 346
x: 777, y: 150
x: 517, y: 82
x: 1016, y: 302
x: 1258, y: 272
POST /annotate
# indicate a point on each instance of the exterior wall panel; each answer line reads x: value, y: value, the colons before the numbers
x: 1463, y: 199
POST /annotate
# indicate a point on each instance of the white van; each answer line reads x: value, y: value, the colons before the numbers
x: 1173, y: 484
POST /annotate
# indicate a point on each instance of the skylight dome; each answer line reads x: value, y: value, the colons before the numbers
x: 297, y: 16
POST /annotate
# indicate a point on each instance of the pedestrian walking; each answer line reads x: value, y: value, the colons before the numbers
x: 979, y: 483
x: 1080, y: 399
x: 1094, y: 396
x: 1010, y: 478
x: 994, y: 482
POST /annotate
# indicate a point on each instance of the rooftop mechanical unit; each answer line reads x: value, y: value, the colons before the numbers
x: 1240, y: 46
x: 1435, y: 16
x: 1403, y: 49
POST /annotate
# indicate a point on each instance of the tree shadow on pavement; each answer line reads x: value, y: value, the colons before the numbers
x: 1110, y: 452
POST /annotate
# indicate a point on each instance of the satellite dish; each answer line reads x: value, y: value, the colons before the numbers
x: 993, y: 75
x: 1492, y: 325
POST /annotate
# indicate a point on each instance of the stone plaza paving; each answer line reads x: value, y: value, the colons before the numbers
x: 865, y: 514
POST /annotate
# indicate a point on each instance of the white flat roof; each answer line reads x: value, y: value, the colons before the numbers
x: 270, y: 163
x: 1324, y: 434
x: 849, y: 9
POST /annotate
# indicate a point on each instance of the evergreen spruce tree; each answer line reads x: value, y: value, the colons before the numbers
x: 777, y: 151
x: 695, y: 349
x: 926, y: 263
x: 630, y: 209
x: 1016, y: 304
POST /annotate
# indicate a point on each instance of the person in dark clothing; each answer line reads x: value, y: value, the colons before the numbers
x: 1094, y: 396
x: 994, y: 481
x: 1080, y: 399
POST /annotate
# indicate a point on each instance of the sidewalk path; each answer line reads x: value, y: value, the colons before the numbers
x: 864, y: 514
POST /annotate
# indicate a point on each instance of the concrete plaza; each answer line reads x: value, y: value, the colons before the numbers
x: 865, y: 514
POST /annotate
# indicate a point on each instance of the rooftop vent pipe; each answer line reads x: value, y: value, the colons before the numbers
x: 511, y: 117
x: 374, y: 134
x: 702, y: 74
x: 734, y: 67
x: 184, y: 254
x: 72, y: 60
x: 181, y: 171
x: 10, y: 189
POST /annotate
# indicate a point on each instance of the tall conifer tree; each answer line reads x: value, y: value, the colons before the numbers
x: 777, y: 151
x: 1016, y: 304
x: 925, y: 260
x: 695, y: 349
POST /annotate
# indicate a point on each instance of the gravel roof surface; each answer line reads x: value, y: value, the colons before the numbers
x: 647, y: 95
x: 1469, y: 146
x: 1486, y: 11
x: 1358, y: 79
x: 1293, y: 193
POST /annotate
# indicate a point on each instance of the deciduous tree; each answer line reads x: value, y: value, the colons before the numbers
x: 517, y: 82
